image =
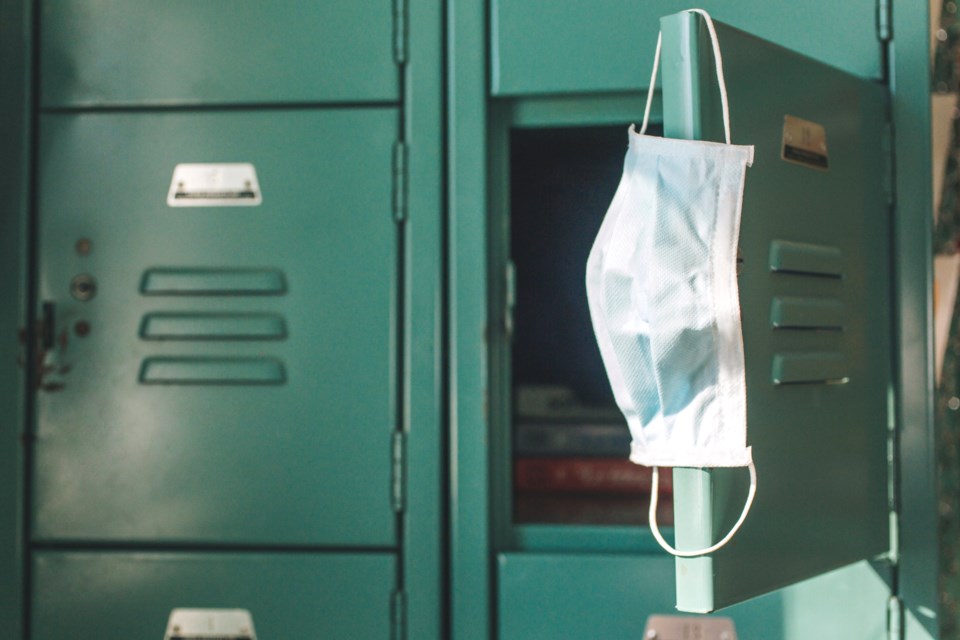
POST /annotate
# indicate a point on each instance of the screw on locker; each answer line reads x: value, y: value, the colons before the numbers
x: 84, y: 246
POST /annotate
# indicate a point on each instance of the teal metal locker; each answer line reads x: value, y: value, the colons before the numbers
x: 180, y: 53
x: 208, y: 390
x: 815, y: 291
x: 572, y: 67
x: 130, y: 595
x: 229, y: 319
x: 69, y: 68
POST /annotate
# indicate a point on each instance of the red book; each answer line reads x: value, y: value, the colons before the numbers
x: 593, y: 475
x: 539, y: 507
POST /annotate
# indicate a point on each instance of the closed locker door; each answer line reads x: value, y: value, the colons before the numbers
x: 224, y: 371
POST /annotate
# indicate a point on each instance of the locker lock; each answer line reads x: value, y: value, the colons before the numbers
x: 83, y: 287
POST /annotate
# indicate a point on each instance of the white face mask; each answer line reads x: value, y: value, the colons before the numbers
x: 662, y: 290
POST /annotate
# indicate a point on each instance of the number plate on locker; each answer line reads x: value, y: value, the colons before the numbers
x: 210, y: 624
x: 689, y: 628
x: 214, y: 185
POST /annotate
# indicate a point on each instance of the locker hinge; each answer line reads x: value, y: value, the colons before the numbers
x: 398, y: 614
x: 894, y: 618
x: 398, y: 471
x: 884, y: 20
x: 400, y: 181
x: 400, y: 31
x: 893, y: 556
x: 509, y: 297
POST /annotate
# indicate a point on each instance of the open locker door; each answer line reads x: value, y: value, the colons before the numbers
x: 815, y: 304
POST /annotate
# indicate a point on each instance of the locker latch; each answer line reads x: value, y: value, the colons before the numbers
x: 47, y: 350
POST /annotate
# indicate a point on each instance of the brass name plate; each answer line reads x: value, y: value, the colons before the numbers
x: 805, y: 143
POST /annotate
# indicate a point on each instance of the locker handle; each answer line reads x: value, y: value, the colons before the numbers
x: 48, y: 326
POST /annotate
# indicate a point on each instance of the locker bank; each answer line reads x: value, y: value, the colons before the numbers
x: 297, y: 343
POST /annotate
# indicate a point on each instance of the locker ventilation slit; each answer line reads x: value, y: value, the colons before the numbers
x: 200, y: 325
x: 213, y: 326
x: 803, y: 313
x: 809, y: 326
x: 212, y: 371
x: 212, y: 282
x: 801, y: 258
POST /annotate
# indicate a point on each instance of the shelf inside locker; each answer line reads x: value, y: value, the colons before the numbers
x: 570, y: 443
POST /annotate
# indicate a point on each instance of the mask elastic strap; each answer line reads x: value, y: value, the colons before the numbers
x: 720, y: 80
x: 654, y: 498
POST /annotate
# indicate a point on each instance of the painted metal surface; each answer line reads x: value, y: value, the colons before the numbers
x: 575, y: 596
x: 119, y: 52
x: 471, y: 606
x: 819, y: 428
x: 423, y: 368
x: 607, y: 45
x: 122, y: 595
x: 15, y: 126
x: 557, y: 72
x: 223, y: 439
x: 917, y: 490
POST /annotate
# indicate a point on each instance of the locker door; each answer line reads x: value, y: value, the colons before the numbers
x: 216, y: 373
x: 815, y: 299
x: 138, y: 52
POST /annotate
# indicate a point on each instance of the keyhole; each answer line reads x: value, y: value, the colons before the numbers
x: 83, y: 287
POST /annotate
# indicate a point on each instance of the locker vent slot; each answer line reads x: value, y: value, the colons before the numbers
x: 806, y: 259
x: 825, y: 314
x: 809, y: 368
x: 212, y: 282
x: 213, y: 326
x: 212, y: 371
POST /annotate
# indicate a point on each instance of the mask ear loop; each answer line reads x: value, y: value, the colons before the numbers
x: 724, y: 104
x: 654, y: 499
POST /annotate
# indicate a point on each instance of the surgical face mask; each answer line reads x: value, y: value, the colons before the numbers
x: 663, y: 297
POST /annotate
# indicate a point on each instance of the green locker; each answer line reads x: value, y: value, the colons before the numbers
x: 135, y: 53
x: 282, y: 498
x: 837, y: 290
x: 601, y: 46
x: 227, y: 300
x: 217, y: 374
x: 123, y: 595
x: 564, y: 591
x: 814, y: 293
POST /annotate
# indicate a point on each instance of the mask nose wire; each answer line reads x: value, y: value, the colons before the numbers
x: 715, y: 42
x: 654, y: 499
